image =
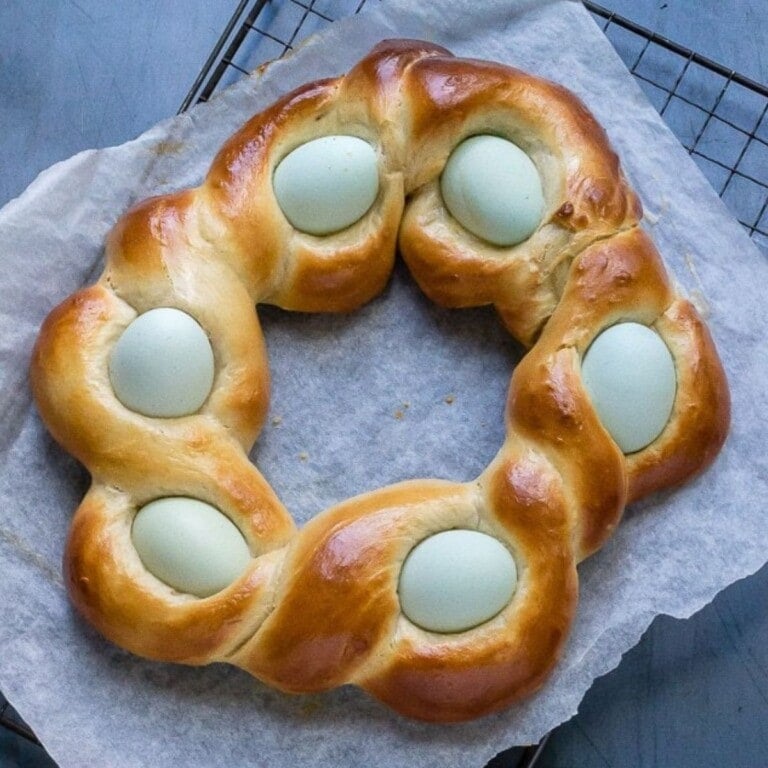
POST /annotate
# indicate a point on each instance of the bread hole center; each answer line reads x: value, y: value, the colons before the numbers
x: 400, y: 389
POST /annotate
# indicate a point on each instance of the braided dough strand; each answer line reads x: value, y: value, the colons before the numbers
x: 320, y: 607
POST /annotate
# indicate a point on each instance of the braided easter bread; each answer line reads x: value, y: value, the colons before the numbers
x: 445, y: 600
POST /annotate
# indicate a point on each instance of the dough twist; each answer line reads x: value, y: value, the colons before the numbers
x: 319, y: 607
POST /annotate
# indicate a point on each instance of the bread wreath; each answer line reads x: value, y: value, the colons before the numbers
x: 318, y: 607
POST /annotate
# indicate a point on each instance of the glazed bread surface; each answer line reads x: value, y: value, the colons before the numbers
x: 320, y: 607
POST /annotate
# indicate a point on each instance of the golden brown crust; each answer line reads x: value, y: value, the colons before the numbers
x: 586, y: 194
x: 319, y: 607
x: 111, y: 588
x: 449, y: 678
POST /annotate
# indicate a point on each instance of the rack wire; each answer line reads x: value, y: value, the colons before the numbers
x: 719, y: 116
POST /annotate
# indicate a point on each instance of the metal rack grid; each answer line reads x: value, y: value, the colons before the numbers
x: 719, y: 116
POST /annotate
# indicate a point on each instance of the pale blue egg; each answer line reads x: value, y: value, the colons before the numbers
x: 630, y: 376
x: 327, y: 184
x: 455, y: 580
x: 493, y: 189
x: 189, y: 545
x: 162, y: 365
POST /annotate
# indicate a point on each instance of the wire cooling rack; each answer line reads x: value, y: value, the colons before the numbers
x: 719, y: 116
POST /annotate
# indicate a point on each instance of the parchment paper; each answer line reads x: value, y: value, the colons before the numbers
x: 434, y: 384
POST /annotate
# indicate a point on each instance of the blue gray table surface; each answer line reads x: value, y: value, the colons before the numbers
x: 76, y: 74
